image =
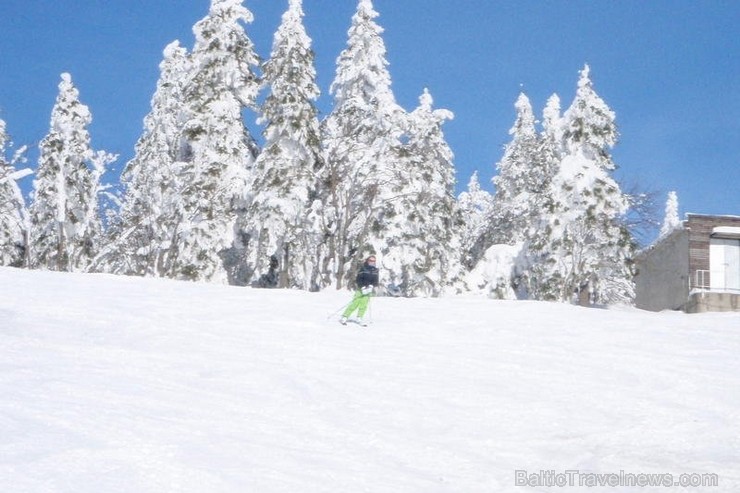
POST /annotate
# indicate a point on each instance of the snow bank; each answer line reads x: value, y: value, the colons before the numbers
x: 493, y: 274
x: 113, y: 384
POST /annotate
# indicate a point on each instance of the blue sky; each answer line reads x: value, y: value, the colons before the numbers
x: 670, y: 69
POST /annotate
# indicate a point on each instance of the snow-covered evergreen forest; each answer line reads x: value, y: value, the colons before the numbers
x: 201, y: 200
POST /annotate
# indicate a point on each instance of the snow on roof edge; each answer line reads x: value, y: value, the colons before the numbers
x: 722, y: 216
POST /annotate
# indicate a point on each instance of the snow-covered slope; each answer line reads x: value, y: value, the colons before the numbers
x: 112, y: 384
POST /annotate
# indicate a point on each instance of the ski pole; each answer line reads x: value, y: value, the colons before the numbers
x: 334, y: 314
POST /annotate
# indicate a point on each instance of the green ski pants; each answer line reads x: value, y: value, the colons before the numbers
x: 359, y: 303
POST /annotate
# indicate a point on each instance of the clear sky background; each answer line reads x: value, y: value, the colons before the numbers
x: 670, y: 69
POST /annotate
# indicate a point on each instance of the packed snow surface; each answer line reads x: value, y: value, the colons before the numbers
x: 113, y: 384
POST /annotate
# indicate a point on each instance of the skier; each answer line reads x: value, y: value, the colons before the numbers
x: 366, y: 281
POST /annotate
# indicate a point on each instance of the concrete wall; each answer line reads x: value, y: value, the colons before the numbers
x: 713, y: 302
x: 662, y: 280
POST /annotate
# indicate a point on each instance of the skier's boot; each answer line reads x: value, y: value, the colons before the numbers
x: 343, y: 320
x: 363, y: 322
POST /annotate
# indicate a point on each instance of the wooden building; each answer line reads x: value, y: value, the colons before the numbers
x: 695, y: 268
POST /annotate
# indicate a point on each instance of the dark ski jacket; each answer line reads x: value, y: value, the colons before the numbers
x: 368, y: 276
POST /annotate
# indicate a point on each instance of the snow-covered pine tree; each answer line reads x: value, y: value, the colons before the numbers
x: 517, y: 179
x: 534, y: 256
x: 550, y: 151
x: 217, y: 147
x: 284, y: 181
x: 362, y: 142
x: 65, y: 219
x: 522, y: 198
x: 671, y: 220
x: 141, y: 241
x: 475, y: 206
x: 587, y: 249
x: 14, y: 221
x: 553, y: 126
x: 422, y: 256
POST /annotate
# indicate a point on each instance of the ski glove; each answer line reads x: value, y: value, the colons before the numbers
x: 366, y: 290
